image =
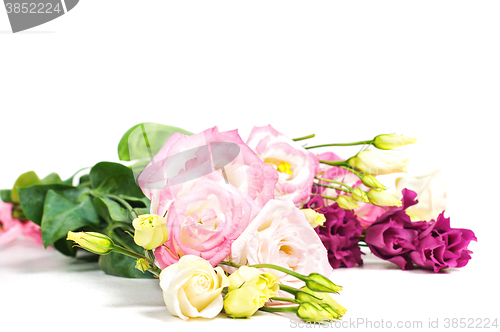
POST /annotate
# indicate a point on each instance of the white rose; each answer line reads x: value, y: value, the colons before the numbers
x: 281, y: 235
x: 192, y: 288
x: 431, y: 195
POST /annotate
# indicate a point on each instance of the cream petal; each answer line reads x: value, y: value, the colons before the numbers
x: 144, y: 236
x: 213, y: 309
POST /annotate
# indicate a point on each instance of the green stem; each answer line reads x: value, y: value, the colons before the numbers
x: 304, y: 137
x: 284, y: 299
x: 352, y: 170
x: 289, y: 289
x: 341, y: 144
x: 112, y: 234
x: 125, y: 204
x: 129, y: 253
x: 332, y: 187
x: 333, y: 181
x: 280, y: 309
x: 334, y: 163
x: 327, y: 197
x: 270, y: 266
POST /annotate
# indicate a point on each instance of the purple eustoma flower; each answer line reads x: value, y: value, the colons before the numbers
x: 340, y: 235
x: 392, y: 236
x: 439, y: 246
x: 431, y: 244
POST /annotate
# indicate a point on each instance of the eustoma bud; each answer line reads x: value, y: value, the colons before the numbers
x: 320, y: 283
x: 264, y: 282
x: 142, y: 265
x: 371, y: 181
x: 392, y: 141
x: 346, y: 202
x: 243, y: 302
x: 150, y: 231
x: 94, y: 242
x: 359, y: 195
x: 378, y: 163
x: 313, y: 312
x: 383, y: 198
x: 315, y: 219
x: 307, y: 295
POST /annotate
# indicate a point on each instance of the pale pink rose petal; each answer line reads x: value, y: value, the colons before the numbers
x: 205, y: 221
x: 185, y: 158
x: 276, y: 149
x: 281, y: 235
x: 12, y: 228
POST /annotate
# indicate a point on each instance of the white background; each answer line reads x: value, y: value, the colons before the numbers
x: 345, y: 71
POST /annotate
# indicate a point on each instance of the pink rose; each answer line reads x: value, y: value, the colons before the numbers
x: 185, y: 158
x: 296, y: 166
x: 280, y: 234
x: 205, y: 220
x: 11, y: 229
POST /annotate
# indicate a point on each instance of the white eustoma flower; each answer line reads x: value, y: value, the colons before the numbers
x: 431, y: 194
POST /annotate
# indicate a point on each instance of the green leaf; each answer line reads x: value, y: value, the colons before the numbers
x: 5, y: 195
x: 24, y: 180
x: 32, y: 199
x: 51, y: 178
x: 84, y: 179
x: 122, y: 266
x: 65, y: 247
x: 135, y: 202
x: 114, y: 179
x: 143, y: 141
x: 60, y: 216
x: 110, y: 210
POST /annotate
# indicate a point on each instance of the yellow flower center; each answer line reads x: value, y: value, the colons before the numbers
x: 284, y: 167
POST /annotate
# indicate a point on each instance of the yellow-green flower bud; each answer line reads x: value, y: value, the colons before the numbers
x: 150, y: 231
x: 383, y: 198
x: 142, y: 265
x: 315, y: 219
x: 372, y: 182
x: 243, y: 302
x: 307, y: 295
x: 264, y: 282
x: 313, y: 312
x: 94, y: 242
x: 320, y: 283
x: 346, y: 202
x: 392, y: 141
x: 378, y: 163
x: 359, y: 195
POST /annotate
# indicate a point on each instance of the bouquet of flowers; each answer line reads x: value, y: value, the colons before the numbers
x: 239, y: 226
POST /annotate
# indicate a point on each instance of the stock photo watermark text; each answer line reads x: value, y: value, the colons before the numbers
x: 430, y: 323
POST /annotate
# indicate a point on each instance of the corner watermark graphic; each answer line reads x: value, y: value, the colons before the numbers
x: 26, y: 14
